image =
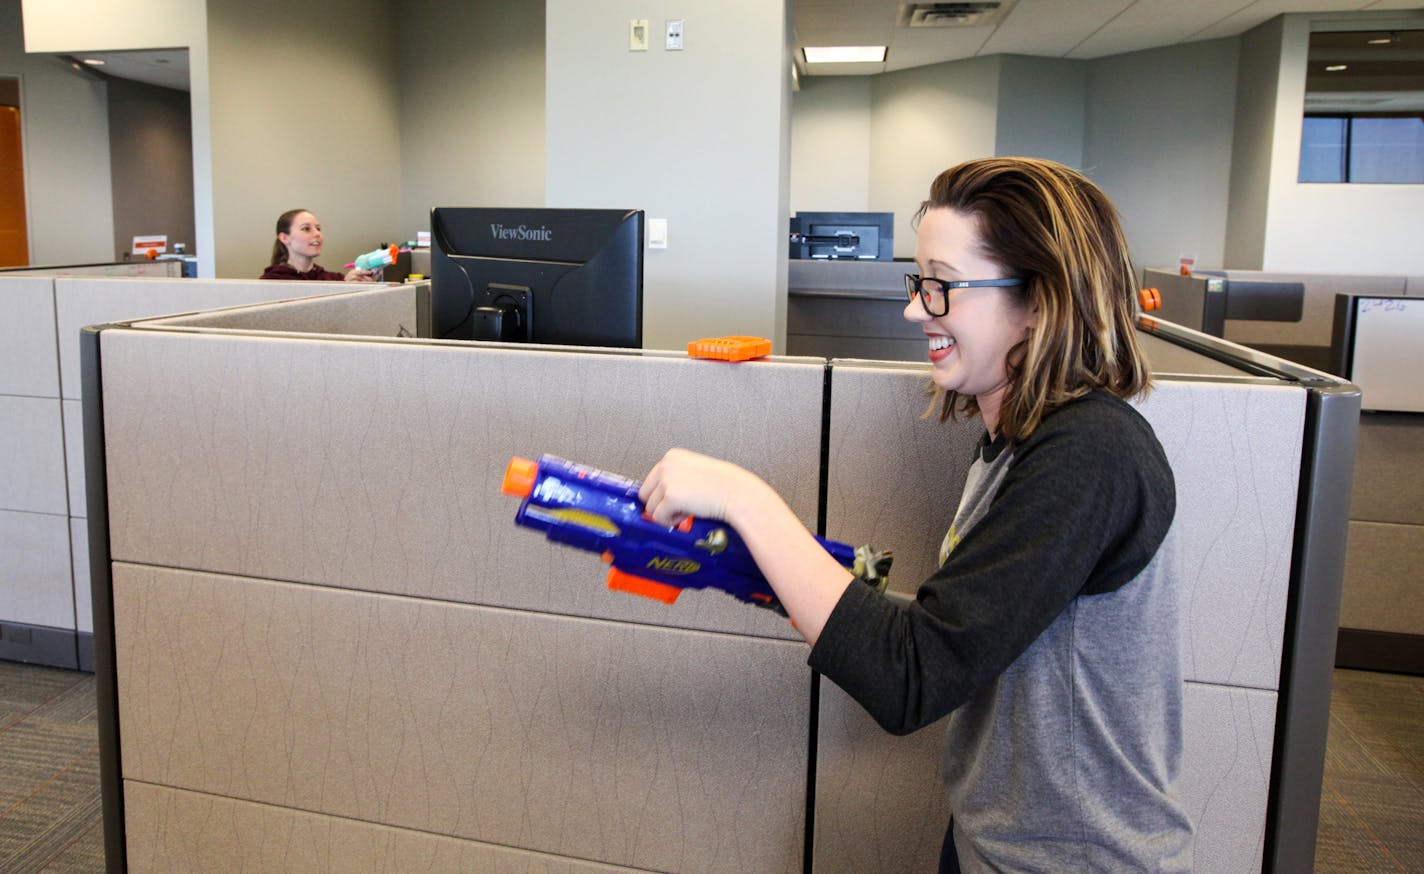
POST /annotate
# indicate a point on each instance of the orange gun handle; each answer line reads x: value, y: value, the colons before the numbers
x: 625, y: 582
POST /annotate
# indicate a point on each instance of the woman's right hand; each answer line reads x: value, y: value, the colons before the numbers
x: 357, y: 275
x: 685, y: 483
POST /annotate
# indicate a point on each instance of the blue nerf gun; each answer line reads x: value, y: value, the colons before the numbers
x: 376, y: 259
x: 600, y: 512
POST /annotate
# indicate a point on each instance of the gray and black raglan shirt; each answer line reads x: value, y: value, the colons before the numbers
x: 1049, y: 637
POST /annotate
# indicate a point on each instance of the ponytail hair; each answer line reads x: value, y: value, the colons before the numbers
x: 284, y: 226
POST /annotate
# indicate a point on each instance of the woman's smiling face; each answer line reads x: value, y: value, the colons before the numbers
x: 968, y: 345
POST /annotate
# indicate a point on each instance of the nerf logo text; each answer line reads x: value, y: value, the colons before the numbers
x: 523, y: 232
x: 679, y: 567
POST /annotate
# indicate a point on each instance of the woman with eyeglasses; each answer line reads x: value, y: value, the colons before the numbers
x: 1048, y: 636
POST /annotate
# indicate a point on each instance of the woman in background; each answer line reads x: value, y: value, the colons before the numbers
x: 296, y: 249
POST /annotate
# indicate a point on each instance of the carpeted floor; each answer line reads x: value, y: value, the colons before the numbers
x: 49, y: 758
x: 1371, y: 806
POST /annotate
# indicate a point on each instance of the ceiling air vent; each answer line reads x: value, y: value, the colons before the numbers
x: 968, y: 14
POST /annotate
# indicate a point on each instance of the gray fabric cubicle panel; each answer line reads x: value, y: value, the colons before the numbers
x: 96, y: 301
x: 1318, y: 312
x: 1235, y: 453
x: 380, y: 311
x: 27, y: 337
x: 182, y: 832
x: 36, y: 573
x: 1381, y: 589
x: 1389, y: 469
x: 627, y: 744
x: 32, y: 455
x: 894, y: 475
x: 377, y: 465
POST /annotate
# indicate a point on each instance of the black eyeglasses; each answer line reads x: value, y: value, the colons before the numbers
x: 934, y: 293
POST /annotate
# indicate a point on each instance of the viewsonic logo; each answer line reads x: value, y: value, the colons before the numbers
x: 523, y: 232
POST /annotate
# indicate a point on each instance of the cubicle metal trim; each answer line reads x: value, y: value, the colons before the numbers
x: 1312, y: 623
x: 1241, y: 357
x: 106, y: 678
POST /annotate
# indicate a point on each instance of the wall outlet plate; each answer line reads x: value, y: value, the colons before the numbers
x: 637, y: 34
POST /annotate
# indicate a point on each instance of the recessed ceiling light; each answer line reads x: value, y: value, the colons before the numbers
x: 94, y: 62
x: 843, y: 54
x: 1335, y: 68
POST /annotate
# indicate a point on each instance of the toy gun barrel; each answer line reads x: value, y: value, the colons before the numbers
x: 378, y: 258
x: 600, y: 512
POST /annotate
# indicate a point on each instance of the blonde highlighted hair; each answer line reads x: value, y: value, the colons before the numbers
x: 1049, y: 225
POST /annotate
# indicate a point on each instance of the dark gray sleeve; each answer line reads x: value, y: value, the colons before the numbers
x: 1084, y: 506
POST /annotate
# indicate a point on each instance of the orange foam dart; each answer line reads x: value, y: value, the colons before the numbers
x: 1150, y: 299
x: 519, y: 477
x: 619, y: 581
x: 729, y: 348
x: 684, y: 526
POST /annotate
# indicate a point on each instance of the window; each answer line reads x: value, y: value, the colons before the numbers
x: 1364, y: 107
x: 1362, y: 148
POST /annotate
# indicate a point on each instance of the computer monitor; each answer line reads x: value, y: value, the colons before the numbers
x: 850, y: 236
x: 564, y: 276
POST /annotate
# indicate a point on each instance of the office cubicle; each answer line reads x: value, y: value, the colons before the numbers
x: 45, y: 617
x: 323, y: 638
x: 1379, y: 345
x: 1282, y: 313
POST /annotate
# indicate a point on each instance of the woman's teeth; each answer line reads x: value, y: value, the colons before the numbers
x: 937, y: 343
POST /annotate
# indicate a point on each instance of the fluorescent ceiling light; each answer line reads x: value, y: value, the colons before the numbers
x: 1335, y: 68
x: 843, y: 54
x: 94, y: 62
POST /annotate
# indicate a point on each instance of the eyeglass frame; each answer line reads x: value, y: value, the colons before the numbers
x: 915, y: 287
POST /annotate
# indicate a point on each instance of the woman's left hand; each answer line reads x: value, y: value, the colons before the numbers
x: 355, y: 275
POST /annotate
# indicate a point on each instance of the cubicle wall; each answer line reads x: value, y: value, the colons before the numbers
x: 324, y: 640
x: 1379, y: 345
x: 45, y: 615
x: 1285, y: 314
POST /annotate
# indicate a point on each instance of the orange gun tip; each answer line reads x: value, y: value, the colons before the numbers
x: 729, y: 348
x: 1150, y: 299
x: 519, y: 477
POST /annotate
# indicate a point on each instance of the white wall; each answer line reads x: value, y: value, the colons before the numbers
x: 93, y: 25
x: 65, y: 120
x: 696, y: 137
x: 830, y: 144
x: 471, y: 106
x: 303, y: 105
x: 1348, y: 228
x: 924, y: 121
x: 1159, y: 142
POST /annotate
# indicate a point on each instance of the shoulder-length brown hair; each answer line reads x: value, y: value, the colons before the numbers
x: 1048, y: 224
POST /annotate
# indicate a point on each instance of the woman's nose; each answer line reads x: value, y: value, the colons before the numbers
x: 916, y: 312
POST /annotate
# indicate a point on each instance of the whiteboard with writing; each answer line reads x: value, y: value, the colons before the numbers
x: 1388, y: 361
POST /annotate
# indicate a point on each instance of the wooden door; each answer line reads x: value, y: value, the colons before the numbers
x: 14, y: 240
